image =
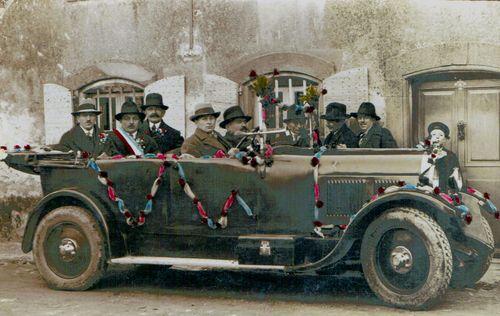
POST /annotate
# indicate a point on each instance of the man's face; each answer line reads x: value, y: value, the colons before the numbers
x: 130, y: 123
x: 154, y: 114
x: 438, y: 138
x: 206, y: 123
x: 237, y: 125
x: 87, y: 120
x: 365, y: 122
x: 334, y: 125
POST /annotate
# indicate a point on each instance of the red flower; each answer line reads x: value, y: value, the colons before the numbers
x: 486, y: 195
x: 381, y: 190
x: 319, y: 204
x: 468, y: 218
x: 436, y: 190
x: 342, y: 226
x: 266, y: 98
x: 310, y: 109
x: 456, y: 199
x: 174, y: 156
x: 497, y: 214
x: 17, y: 147
x: 324, y: 91
x: 254, y: 162
x: 234, y: 192
x: 245, y: 160
x: 127, y: 214
x: 85, y: 155
x: 3, y: 147
x: 27, y: 147
x: 103, y: 174
x: 275, y: 72
x: 273, y: 101
x: 433, y: 156
x: 102, y: 135
x: 401, y: 183
x: 195, y: 200
x: 109, y: 183
x: 427, y: 142
x: 149, y: 196
x: 253, y: 74
x: 317, y: 224
x: 182, y: 182
x: 314, y: 161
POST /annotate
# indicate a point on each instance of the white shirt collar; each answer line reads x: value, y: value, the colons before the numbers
x: 154, y: 124
x: 88, y: 133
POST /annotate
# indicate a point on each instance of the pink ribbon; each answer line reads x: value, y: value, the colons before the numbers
x: 315, y: 136
x: 374, y: 197
x: 161, y: 156
x: 219, y: 154
x: 264, y: 114
x: 201, y: 211
x: 471, y: 190
x: 316, y: 191
x: 269, y: 151
x: 446, y: 197
x: 161, y: 170
x: 227, y: 205
x: 117, y: 157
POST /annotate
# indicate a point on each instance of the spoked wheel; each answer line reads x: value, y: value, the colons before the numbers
x: 69, y: 249
x: 406, y: 258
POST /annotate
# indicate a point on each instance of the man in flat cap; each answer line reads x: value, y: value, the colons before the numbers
x: 340, y: 135
x: 296, y: 134
x: 372, y: 134
x: 127, y: 140
x: 205, y: 141
x: 84, y: 137
x: 165, y: 136
x: 235, y: 122
x: 442, y: 169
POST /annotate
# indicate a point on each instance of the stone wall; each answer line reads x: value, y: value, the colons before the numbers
x: 73, y: 43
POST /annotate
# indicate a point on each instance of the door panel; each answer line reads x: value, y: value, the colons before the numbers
x: 477, y: 103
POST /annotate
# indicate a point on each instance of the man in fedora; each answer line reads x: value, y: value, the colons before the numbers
x: 127, y: 140
x: 83, y: 137
x: 340, y: 135
x: 296, y: 134
x: 165, y: 136
x: 205, y: 141
x: 235, y: 121
x: 372, y: 134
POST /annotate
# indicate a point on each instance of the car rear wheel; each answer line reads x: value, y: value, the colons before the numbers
x: 467, y: 274
x: 406, y: 258
x: 69, y: 249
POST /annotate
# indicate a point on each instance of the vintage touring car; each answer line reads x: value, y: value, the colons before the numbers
x: 294, y: 212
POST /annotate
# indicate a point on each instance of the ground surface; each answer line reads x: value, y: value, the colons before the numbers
x: 157, y: 291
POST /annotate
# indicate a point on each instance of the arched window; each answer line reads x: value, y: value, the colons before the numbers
x: 289, y: 87
x: 109, y: 96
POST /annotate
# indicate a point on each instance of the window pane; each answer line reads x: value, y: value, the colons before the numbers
x: 105, y: 116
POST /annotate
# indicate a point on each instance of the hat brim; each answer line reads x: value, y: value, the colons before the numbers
x: 376, y: 117
x: 120, y: 115
x: 195, y: 117
x: 162, y: 106
x: 225, y: 122
x: 334, y: 118
x: 86, y: 111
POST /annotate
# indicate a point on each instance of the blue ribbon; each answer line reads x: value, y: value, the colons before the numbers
x: 211, y: 224
x: 462, y: 208
x: 121, y: 205
x: 409, y: 187
x: 148, y: 207
x: 181, y: 171
x: 149, y: 156
x: 243, y: 204
x: 316, y: 213
x: 491, y: 205
x: 206, y: 157
x: 92, y: 164
x: 321, y: 151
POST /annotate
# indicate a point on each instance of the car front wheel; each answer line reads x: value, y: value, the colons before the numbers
x: 68, y: 249
x: 406, y: 258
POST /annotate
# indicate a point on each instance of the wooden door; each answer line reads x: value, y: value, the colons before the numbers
x: 474, y: 104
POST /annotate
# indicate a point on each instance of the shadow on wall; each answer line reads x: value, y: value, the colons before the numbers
x: 14, y: 212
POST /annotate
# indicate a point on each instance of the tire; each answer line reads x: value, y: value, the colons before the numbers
x: 81, y: 262
x: 468, y: 274
x: 423, y: 271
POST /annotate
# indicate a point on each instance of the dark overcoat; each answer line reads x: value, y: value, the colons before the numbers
x: 445, y: 167
x: 204, y: 144
x: 114, y: 146
x: 343, y: 135
x: 301, y: 140
x: 76, y: 140
x: 377, y: 137
x: 233, y: 140
x: 166, y: 137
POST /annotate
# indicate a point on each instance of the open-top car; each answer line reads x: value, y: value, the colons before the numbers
x: 294, y: 211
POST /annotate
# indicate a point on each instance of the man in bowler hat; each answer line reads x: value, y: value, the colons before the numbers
x: 205, y: 141
x: 127, y: 140
x: 340, y: 135
x: 235, y: 122
x: 83, y: 137
x: 372, y: 134
x: 165, y: 136
x: 296, y: 134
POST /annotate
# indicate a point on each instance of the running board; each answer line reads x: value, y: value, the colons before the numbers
x: 194, y: 262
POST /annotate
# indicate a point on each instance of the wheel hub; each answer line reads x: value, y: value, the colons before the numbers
x: 401, y: 259
x: 68, y: 249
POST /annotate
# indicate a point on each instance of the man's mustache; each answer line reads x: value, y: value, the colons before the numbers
x: 154, y: 115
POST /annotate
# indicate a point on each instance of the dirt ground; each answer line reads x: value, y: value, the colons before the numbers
x: 158, y: 291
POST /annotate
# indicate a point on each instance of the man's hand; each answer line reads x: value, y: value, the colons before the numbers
x: 233, y: 151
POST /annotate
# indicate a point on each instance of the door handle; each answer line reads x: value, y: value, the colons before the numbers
x: 461, y: 130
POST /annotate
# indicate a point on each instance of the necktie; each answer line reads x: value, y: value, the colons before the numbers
x: 89, y: 135
x: 153, y: 129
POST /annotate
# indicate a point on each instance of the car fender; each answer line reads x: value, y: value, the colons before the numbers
x: 443, y: 213
x: 73, y: 197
